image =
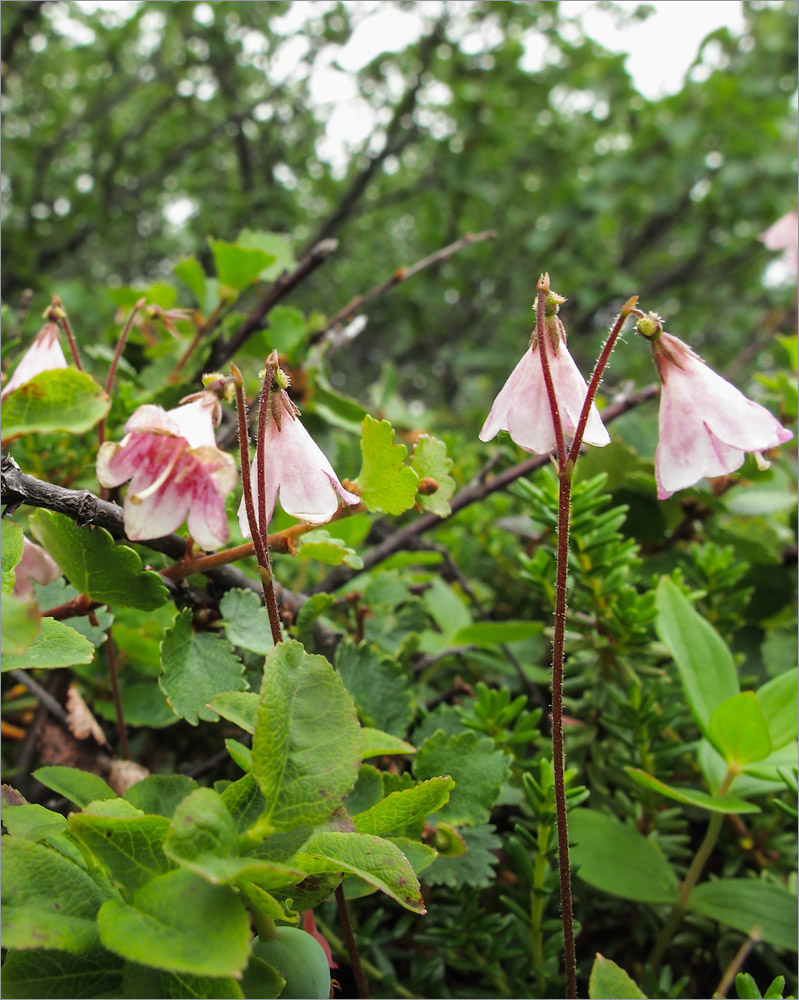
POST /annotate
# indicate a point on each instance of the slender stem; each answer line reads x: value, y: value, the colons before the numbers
x: 63, y: 321
x: 558, y: 764
x: 691, y: 878
x: 202, y: 331
x: 352, y: 947
x: 260, y: 457
x: 738, y: 960
x: 114, y: 675
x: 596, y: 376
x: 47, y: 700
x: 543, y: 350
x: 109, y: 384
x: 260, y: 542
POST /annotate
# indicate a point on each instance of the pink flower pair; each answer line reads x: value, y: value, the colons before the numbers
x: 705, y: 424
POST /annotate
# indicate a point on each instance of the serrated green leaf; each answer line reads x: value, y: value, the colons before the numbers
x: 303, y: 769
x: 739, y: 731
x: 315, y: 606
x: 96, y: 566
x: 403, y: 813
x: 419, y: 855
x: 195, y: 668
x: 129, y: 848
x: 368, y: 790
x: 375, y: 860
x: 617, y: 859
x: 143, y: 704
x: 10, y: 553
x: 190, y: 272
x: 246, y: 621
x: 705, y: 664
x: 779, y: 700
x: 160, y: 794
x: 494, y: 633
x: 48, y: 900
x: 378, y: 686
x: 320, y: 545
x: 692, y: 796
x: 476, y: 766
x: 80, y: 787
x: 473, y: 866
x: 238, y: 707
x: 749, y: 903
x: 55, y: 645
x: 171, y: 923
x: 52, y: 975
x: 237, y: 266
x: 376, y: 743
x: 61, y: 400
x: 609, y: 981
x: 244, y: 801
x: 203, y: 837
x: 429, y: 461
x: 287, y: 329
x: 20, y: 625
x: 386, y: 485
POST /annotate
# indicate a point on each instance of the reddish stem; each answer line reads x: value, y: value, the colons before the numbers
x: 109, y: 384
x: 260, y: 453
x: 543, y: 350
x: 63, y: 320
x: 114, y: 675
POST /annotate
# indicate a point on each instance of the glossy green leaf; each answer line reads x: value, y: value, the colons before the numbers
x: 386, y: 485
x: 32, y: 821
x: 617, y: 859
x: 172, y: 922
x: 403, y: 813
x: 262, y: 980
x: 739, y: 731
x: 54, y: 645
x: 48, y: 900
x: 287, y: 329
x: 10, y: 554
x: 494, y: 633
x: 303, y: 769
x: 129, y: 848
x: 429, y: 461
x: 692, y: 796
x: 779, y: 699
x: 311, y: 610
x: 237, y: 266
x: 62, y: 400
x: 706, y: 667
x: 246, y: 621
x: 321, y: 545
x: 274, y: 244
x: 378, y: 744
x: 80, y: 787
x: 160, y: 794
x: 375, y: 860
x: 609, y: 981
x: 749, y: 903
x: 238, y: 707
x: 96, y: 566
x: 477, y: 767
x: 53, y: 975
x: 378, y: 686
x: 196, y: 666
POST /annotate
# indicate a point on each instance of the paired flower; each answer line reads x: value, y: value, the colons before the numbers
x: 522, y: 406
x: 295, y: 467
x: 43, y: 355
x: 171, y: 459
x: 705, y: 425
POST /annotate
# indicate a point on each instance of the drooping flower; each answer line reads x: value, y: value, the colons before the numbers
x: 43, y: 355
x: 522, y: 406
x: 296, y: 467
x: 784, y: 235
x: 171, y: 459
x: 705, y: 425
x: 35, y: 566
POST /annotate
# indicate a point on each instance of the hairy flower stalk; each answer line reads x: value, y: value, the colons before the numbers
x: 175, y: 469
x: 705, y: 425
x: 541, y: 405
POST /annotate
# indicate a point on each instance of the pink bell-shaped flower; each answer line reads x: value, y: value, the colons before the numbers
x: 171, y: 459
x: 784, y: 235
x: 43, y: 355
x: 522, y: 406
x: 297, y: 468
x: 705, y: 425
x: 35, y: 566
